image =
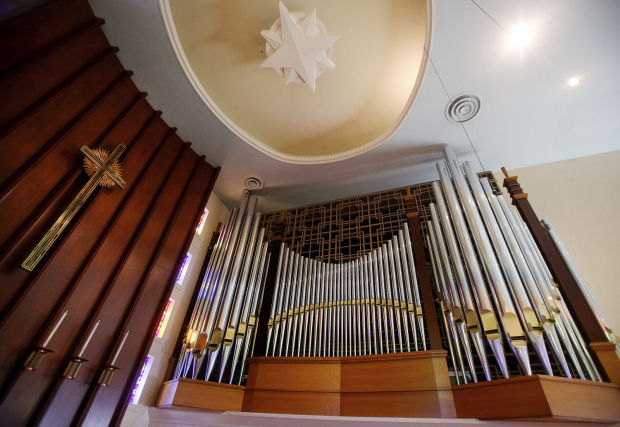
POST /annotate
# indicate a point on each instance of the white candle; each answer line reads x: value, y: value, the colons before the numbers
x: 90, y: 336
x: 53, y: 331
x: 118, y: 351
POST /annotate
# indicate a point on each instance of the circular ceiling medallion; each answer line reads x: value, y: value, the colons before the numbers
x: 253, y: 183
x: 462, y: 108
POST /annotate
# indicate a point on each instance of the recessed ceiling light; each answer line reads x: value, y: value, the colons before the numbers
x: 573, y: 81
x: 521, y: 36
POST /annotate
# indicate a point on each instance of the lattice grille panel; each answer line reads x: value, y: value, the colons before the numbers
x: 343, y: 230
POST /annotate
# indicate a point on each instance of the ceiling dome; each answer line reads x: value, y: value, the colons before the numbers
x: 379, y: 65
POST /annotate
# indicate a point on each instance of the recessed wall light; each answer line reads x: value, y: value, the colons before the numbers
x: 520, y: 36
x: 573, y: 81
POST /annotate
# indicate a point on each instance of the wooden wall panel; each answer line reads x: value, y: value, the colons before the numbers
x: 24, y: 35
x: 39, y: 126
x: 35, y: 80
x: 63, y: 87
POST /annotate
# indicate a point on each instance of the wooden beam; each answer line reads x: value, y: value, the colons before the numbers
x: 424, y: 278
x: 584, y: 316
x: 260, y: 346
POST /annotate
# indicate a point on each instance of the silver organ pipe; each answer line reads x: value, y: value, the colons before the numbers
x: 479, y: 315
x: 334, y: 310
x: 224, y: 314
x: 510, y: 294
x: 441, y: 291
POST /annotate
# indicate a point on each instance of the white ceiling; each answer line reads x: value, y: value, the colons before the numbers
x: 529, y: 116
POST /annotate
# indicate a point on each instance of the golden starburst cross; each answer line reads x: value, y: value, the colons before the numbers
x: 104, y: 169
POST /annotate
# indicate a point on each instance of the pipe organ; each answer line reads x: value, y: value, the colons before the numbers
x: 500, y: 313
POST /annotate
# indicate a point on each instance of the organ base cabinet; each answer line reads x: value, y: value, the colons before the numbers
x: 387, y: 385
x: 412, y: 385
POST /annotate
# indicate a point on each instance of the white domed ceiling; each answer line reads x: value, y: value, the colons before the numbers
x: 379, y: 65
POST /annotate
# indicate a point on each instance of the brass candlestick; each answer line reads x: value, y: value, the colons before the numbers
x: 36, y: 356
x: 73, y: 368
x: 106, y: 375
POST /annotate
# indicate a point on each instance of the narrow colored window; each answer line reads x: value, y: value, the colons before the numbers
x: 165, y: 317
x: 203, y: 219
x: 134, y: 397
x: 184, y: 266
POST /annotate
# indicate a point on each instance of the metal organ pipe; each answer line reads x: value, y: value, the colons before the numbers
x: 530, y: 324
x: 224, y: 314
x: 488, y: 321
x: 218, y: 325
x: 506, y: 309
x: 327, y: 309
x: 511, y: 281
x: 545, y: 318
x: 440, y: 289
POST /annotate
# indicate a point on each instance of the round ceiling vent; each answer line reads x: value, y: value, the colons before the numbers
x: 462, y: 108
x: 253, y: 183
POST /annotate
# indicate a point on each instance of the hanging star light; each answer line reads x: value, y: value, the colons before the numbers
x: 298, y: 48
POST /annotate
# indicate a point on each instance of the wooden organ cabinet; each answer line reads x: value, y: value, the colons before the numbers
x: 433, y: 300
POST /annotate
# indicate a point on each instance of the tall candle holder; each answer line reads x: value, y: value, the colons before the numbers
x: 106, y: 375
x: 73, y: 368
x: 35, y: 357
x: 38, y: 352
x: 108, y: 370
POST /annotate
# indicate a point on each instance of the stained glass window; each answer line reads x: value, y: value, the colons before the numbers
x: 165, y: 317
x: 134, y: 397
x: 184, y: 266
x: 203, y: 219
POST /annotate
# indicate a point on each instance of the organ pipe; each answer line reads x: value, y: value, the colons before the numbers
x: 224, y: 315
x: 510, y: 294
x: 340, y: 309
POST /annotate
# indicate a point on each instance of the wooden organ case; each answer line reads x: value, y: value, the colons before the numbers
x: 432, y: 300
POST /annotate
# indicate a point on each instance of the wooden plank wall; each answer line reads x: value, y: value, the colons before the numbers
x: 61, y: 87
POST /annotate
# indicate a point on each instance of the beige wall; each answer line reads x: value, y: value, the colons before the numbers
x: 581, y: 198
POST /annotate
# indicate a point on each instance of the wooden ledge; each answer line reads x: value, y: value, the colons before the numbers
x: 302, y: 360
x: 210, y: 383
x: 414, y: 384
x: 353, y: 359
x: 429, y: 354
x: 603, y: 346
x: 534, y: 379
